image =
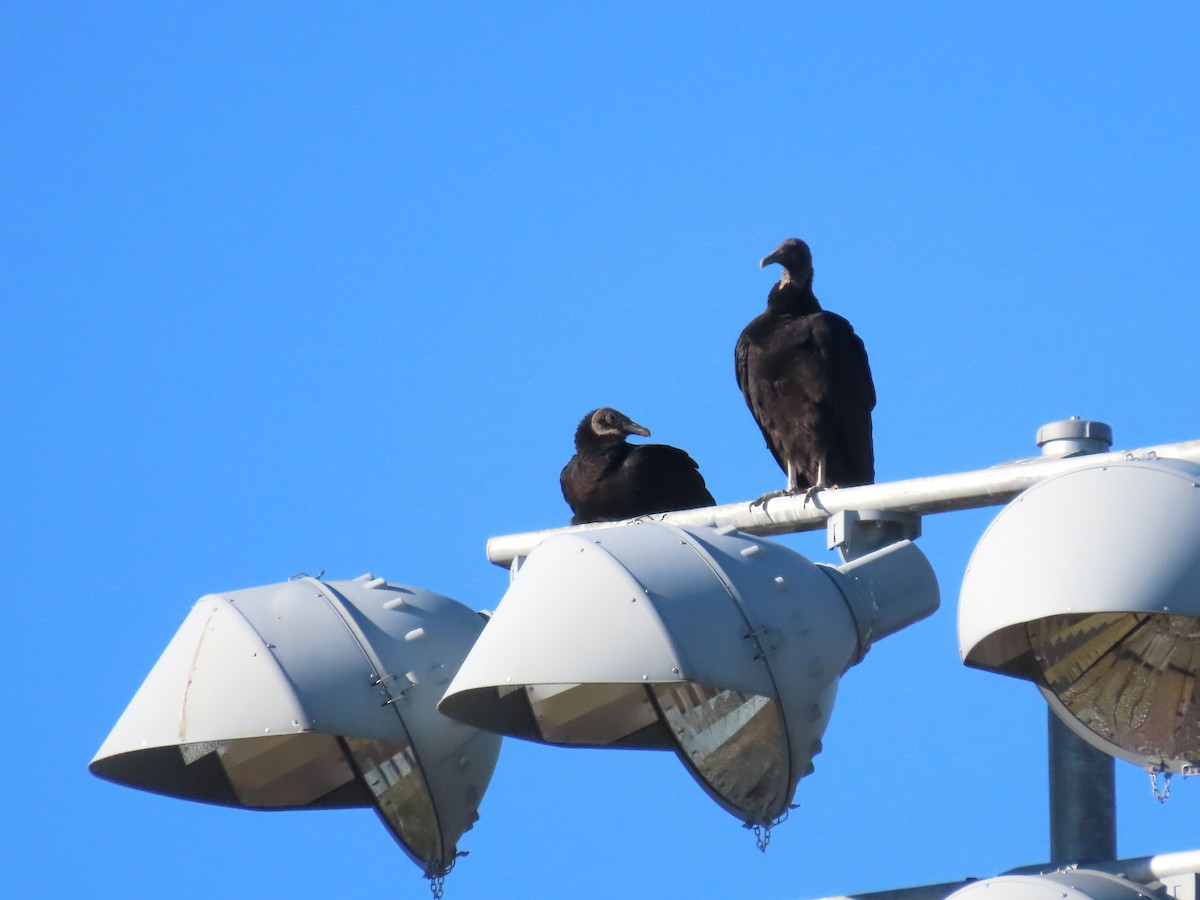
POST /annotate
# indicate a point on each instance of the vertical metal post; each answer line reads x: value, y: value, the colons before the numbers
x: 1083, y: 807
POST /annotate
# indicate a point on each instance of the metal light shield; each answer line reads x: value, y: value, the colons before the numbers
x: 722, y: 647
x: 1076, y: 884
x: 311, y: 695
x: 1088, y: 584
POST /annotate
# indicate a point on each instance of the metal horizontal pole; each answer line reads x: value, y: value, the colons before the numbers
x: 932, y: 494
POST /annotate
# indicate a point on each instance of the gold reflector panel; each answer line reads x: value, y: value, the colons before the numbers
x: 734, y: 742
x: 1129, y: 677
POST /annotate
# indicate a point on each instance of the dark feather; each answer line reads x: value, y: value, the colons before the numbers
x: 609, y: 479
x: 805, y: 376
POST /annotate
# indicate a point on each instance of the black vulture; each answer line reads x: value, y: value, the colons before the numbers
x: 609, y: 479
x: 805, y: 376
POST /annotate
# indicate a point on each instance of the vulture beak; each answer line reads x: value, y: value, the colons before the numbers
x: 635, y: 428
x: 767, y: 260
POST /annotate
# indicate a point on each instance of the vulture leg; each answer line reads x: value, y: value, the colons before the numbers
x: 792, y: 488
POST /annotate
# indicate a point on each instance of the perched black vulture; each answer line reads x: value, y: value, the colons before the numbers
x: 609, y: 479
x: 805, y: 377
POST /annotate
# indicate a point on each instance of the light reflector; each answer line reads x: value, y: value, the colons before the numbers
x: 311, y: 695
x: 720, y: 646
x: 1088, y: 584
x: 391, y: 772
x: 1128, y: 677
x: 732, y: 742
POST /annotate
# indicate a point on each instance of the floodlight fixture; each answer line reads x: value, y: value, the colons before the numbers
x: 723, y: 647
x: 314, y: 695
x: 1163, y: 876
x: 1075, y: 884
x: 1088, y: 584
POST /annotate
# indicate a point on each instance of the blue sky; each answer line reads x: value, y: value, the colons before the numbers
x: 294, y: 289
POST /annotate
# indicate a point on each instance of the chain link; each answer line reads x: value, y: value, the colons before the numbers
x: 762, y: 836
x: 1160, y: 794
x: 437, y: 878
x: 762, y: 830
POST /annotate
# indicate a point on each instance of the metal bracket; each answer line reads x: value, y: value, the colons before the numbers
x: 857, y: 532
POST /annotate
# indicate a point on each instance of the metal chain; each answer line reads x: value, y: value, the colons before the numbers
x: 762, y: 836
x: 1162, y: 794
x: 762, y: 830
x: 437, y: 878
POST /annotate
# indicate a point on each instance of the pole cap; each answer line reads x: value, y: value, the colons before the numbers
x: 1069, y: 437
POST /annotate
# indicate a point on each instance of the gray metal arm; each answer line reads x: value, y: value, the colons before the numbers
x: 933, y: 494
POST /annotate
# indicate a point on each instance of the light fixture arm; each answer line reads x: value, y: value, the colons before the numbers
x: 994, y: 486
